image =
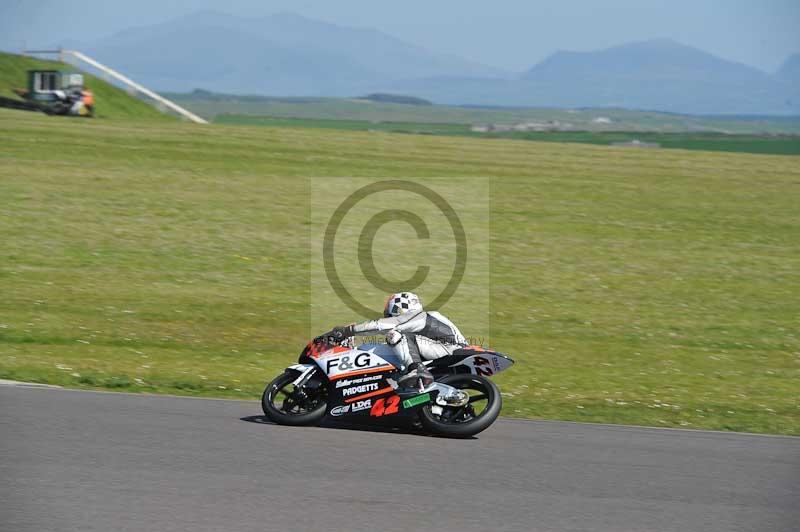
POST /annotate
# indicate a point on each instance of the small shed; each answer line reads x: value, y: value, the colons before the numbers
x: 43, y: 84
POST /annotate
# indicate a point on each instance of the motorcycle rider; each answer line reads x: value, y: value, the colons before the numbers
x: 412, y: 332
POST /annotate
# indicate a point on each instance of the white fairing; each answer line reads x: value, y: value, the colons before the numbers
x: 367, y: 358
x: 304, y: 370
x: 486, y: 364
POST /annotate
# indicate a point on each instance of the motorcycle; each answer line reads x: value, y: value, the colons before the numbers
x: 344, y: 381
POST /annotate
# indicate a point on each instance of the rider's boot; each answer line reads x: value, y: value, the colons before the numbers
x: 415, y: 378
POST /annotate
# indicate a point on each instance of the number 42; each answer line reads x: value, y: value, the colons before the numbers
x: 385, y: 406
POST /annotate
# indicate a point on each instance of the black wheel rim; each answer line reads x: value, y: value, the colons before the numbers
x: 287, y: 398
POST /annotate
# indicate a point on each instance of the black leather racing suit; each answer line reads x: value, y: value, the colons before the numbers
x: 416, y: 335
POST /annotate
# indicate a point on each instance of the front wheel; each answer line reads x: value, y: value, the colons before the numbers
x: 286, y: 404
x: 482, y: 410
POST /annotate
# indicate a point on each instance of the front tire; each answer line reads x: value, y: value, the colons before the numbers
x: 465, y: 421
x: 285, y: 404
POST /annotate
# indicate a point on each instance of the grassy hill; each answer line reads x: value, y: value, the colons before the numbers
x: 111, y: 102
x: 652, y: 287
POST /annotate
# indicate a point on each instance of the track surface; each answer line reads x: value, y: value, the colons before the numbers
x: 87, y: 461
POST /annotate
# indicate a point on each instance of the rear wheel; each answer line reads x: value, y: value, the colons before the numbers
x: 482, y: 410
x: 286, y: 404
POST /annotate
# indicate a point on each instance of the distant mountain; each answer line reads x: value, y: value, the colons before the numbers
x: 790, y: 70
x: 280, y: 54
x: 660, y: 74
x: 290, y: 55
x: 379, y: 97
x: 661, y: 60
x: 657, y: 75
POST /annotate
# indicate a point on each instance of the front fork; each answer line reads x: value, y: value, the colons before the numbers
x: 305, y: 372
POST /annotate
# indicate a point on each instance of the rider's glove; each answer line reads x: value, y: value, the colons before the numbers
x: 393, y: 337
x: 340, y: 333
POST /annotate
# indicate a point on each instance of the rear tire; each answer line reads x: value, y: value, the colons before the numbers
x: 293, y: 409
x: 463, y: 424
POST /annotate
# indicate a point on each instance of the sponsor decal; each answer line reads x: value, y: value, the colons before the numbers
x: 340, y: 410
x: 496, y: 363
x: 360, y: 389
x: 361, y: 405
x: 385, y: 406
x: 417, y: 400
x: 347, y: 362
x: 380, y: 391
x: 349, y: 382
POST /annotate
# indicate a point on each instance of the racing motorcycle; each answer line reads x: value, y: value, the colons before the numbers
x: 345, y: 381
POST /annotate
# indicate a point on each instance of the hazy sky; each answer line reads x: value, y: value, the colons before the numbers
x: 511, y: 34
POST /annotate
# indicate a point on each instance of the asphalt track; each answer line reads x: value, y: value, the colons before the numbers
x: 87, y: 461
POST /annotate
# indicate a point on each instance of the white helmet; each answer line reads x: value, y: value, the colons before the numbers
x: 401, y: 303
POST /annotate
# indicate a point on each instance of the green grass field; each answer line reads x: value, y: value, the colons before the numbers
x: 111, y: 102
x: 655, y: 287
x: 706, y: 141
x: 215, y: 105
